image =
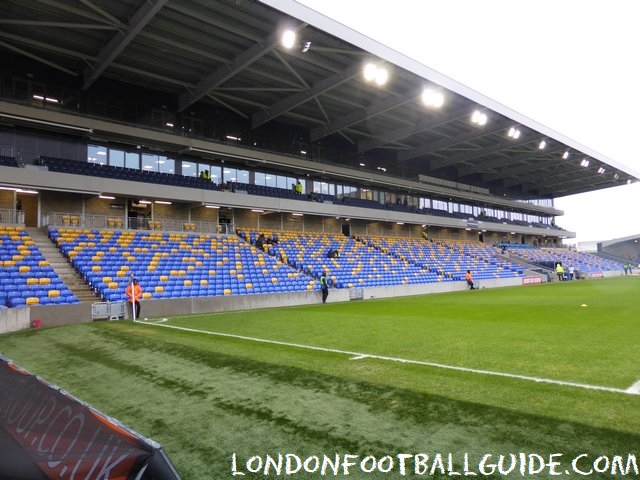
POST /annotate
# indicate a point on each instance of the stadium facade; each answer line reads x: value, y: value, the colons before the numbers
x: 224, y: 116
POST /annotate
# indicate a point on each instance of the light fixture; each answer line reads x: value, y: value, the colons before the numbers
x: 297, y: 214
x: 306, y: 46
x: 616, y: 176
x: 232, y: 137
x: 169, y: 124
x: 43, y: 122
x: 601, y: 170
x: 106, y: 197
x: 432, y: 98
x: 145, y: 202
x: 288, y: 39
x: 542, y: 144
x: 257, y: 210
x: 514, y: 133
x: 212, y: 206
x: 19, y: 190
x: 46, y: 99
x: 162, y: 202
x: 565, y: 155
x: 479, y: 118
x: 374, y: 73
x: 584, y: 162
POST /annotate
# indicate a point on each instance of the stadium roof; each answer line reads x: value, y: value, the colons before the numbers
x: 228, y: 55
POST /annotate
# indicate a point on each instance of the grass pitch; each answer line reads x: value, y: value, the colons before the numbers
x: 371, y: 378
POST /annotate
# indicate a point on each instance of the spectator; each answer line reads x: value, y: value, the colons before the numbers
x: 260, y: 241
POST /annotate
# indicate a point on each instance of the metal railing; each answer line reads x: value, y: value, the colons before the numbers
x: 11, y: 216
x: 94, y: 222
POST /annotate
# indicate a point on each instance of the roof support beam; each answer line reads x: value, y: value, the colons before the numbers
x: 480, y: 152
x: 8, y: 46
x: 359, y: 116
x: 226, y: 71
x: 120, y: 41
x: 404, y: 132
x: 446, y: 143
x: 299, y: 98
x: 504, y: 170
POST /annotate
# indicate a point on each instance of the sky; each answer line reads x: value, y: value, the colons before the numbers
x: 570, y: 65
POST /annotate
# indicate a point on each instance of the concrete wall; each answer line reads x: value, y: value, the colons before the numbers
x: 14, y: 319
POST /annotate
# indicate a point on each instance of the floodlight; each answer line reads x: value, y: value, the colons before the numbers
x: 288, y: 39
x: 584, y: 162
x: 381, y: 76
x: 565, y: 155
x: 370, y: 72
x: 432, y: 98
x: 374, y: 73
x: 542, y: 145
x: 479, y: 118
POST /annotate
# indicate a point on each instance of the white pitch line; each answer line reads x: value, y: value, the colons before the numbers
x: 359, y: 356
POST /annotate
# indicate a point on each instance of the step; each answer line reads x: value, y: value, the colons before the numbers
x: 61, y: 266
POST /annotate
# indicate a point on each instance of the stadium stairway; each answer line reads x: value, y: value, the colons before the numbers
x: 529, y: 268
x: 65, y: 271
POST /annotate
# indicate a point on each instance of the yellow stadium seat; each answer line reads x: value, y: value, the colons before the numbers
x: 54, y: 293
x: 32, y: 301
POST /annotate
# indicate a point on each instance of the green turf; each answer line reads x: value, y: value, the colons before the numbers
x: 205, y: 397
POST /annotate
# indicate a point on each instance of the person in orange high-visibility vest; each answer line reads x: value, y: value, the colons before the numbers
x: 469, y: 279
x: 134, y: 292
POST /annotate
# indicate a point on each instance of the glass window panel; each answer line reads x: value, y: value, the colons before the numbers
x: 259, y: 178
x: 270, y: 180
x: 132, y: 160
x: 189, y: 169
x: 116, y: 158
x: 149, y: 162
x: 97, y: 154
x: 229, y: 174
x: 216, y: 174
x: 166, y: 165
x: 242, y: 176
